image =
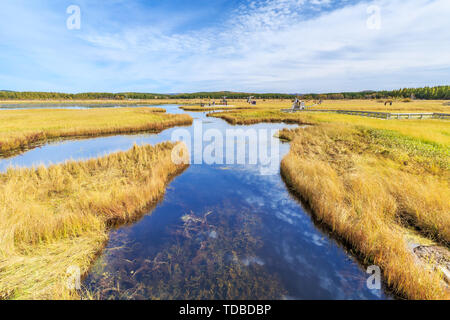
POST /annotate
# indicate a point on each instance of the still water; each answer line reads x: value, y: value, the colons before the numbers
x: 222, y: 231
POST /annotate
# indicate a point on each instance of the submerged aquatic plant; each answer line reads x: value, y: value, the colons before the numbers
x: 210, y: 256
x: 372, y: 182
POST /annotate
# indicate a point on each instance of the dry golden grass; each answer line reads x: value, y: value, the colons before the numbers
x: 194, y: 104
x: 22, y: 129
x: 371, y: 198
x: 398, y: 106
x: 55, y: 218
x: 102, y: 102
x: 237, y: 104
x: 433, y: 131
x: 247, y: 117
x: 429, y: 130
x: 213, y: 108
x: 374, y: 183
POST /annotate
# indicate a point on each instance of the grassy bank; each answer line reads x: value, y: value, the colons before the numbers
x: 21, y: 129
x: 249, y: 117
x: 56, y: 218
x: 398, y: 106
x: 428, y: 131
x: 102, y: 102
x: 213, y: 108
x: 380, y: 186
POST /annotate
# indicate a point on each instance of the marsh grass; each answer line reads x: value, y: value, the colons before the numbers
x: 432, y: 131
x: 213, y: 108
x: 21, y: 129
x: 362, y: 105
x: 100, y: 103
x: 371, y: 198
x: 276, y: 104
x: 248, y: 117
x: 373, y: 183
x: 398, y: 105
x: 58, y: 217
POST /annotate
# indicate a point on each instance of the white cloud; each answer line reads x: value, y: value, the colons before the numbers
x: 271, y: 45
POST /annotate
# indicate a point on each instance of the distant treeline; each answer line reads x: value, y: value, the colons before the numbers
x: 430, y: 93
x: 13, y: 95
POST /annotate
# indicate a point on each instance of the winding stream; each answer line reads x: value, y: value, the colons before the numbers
x: 222, y: 231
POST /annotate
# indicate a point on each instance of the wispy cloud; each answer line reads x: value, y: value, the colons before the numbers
x: 283, y: 45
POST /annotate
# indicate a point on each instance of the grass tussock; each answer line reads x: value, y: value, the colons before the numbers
x: 22, y: 129
x: 378, y: 185
x: 53, y: 219
x: 371, y: 192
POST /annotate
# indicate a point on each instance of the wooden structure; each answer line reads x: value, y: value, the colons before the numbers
x: 251, y: 100
x: 389, y: 116
x: 299, y: 105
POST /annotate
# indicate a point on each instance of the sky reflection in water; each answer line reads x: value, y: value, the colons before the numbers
x: 221, y: 232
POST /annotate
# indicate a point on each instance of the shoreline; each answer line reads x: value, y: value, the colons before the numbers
x: 81, y: 123
x: 297, y: 179
x: 79, y: 233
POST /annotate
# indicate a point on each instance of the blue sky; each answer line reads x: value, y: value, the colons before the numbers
x: 168, y: 46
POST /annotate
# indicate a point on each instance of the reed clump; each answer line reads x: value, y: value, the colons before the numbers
x: 56, y: 219
x: 380, y: 186
x: 22, y: 129
x: 373, y: 192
